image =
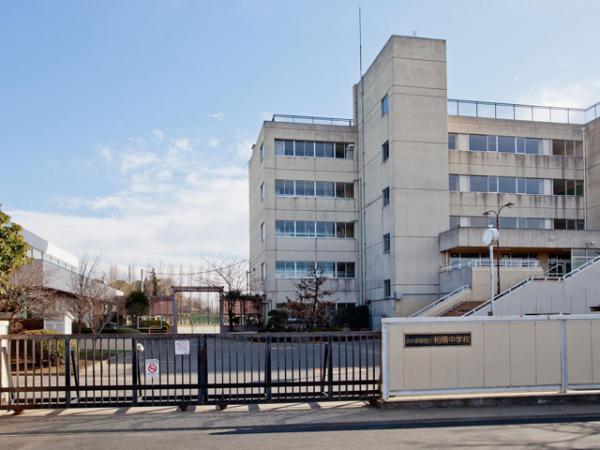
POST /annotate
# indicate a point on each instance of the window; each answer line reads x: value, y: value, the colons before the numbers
x: 559, y: 187
x: 344, y: 190
x: 386, y: 196
x: 305, y: 229
x: 324, y: 188
x: 387, y: 288
x: 558, y: 147
x: 263, y: 271
x: 452, y: 138
x: 284, y: 187
x: 570, y: 187
x: 262, y: 231
x: 507, y: 185
x: 326, y: 268
x: 508, y: 222
x: 481, y: 221
x: 453, y: 183
x: 285, y: 228
x: 506, y: 144
x: 569, y: 224
x: 384, y: 106
x: 345, y: 270
x: 311, y: 149
x: 454, y: 222
x: 386, y: 243
x: 262, y: 192
x: 535, y: 223
x: 324, y: 149
x: 579, y: 187
x: 305, y: 148
x: 305, y: 188
x: 535, y: 186
x: 325, y: 229
x: 285, y: 148
x: 385, y: 151
x: 478, y: 142
x: 262, y: 152
x: 533, y: 146
x: 479, y: 183
x: 344, y: 229
x: 482, y: 143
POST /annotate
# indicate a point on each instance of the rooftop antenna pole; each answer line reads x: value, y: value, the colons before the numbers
x: 363, y: 259
x: 360, y: 42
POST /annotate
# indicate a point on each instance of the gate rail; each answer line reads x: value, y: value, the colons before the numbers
x: 59, y: 371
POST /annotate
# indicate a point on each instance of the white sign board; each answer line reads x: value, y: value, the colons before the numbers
x: 152, y: 368
x: 182, y: 347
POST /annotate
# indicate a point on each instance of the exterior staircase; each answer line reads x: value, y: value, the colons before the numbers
x: 577, y: 292
x: 462, y: 308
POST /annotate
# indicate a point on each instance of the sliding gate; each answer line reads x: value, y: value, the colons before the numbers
x: 56, y: 371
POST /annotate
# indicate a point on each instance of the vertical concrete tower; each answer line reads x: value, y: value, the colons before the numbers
x: 402, y: 121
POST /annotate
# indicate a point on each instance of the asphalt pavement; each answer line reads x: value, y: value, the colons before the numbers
x: 304, y: 425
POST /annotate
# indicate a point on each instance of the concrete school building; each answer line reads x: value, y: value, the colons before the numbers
x: 390, y: 204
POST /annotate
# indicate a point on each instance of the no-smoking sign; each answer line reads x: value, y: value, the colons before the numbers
x: 152, y: 368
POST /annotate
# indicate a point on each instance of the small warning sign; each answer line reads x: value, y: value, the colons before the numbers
x: 182, y: 347
x: 152, y: 368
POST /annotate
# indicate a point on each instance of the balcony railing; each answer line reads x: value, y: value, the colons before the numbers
x: 514, y: 263
x: 313, y: 120
x: 515, y: 111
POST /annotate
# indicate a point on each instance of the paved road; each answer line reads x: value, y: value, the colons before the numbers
x: 345, y: 426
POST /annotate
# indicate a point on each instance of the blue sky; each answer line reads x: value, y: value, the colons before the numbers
x: 125, y: 126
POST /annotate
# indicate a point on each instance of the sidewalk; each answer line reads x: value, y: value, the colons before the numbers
x: 271, y: 418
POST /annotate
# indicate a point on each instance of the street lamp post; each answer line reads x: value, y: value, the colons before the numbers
x: 497, y: 214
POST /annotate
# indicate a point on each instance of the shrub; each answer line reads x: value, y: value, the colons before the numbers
x: 122, y: 330
x: 277, y: 320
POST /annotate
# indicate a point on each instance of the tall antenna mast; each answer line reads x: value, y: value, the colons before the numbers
x: 360, y: 41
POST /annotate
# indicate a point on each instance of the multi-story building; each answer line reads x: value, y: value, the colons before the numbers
x: 390, y: 205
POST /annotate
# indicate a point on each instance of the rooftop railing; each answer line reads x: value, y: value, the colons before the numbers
x: 313, y: 120
x: 514, y: 263
x: 515, y: 111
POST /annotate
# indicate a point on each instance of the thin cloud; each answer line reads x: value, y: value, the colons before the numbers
x: 217, y: 115
x: 580, y: 94
x: 169, y: 205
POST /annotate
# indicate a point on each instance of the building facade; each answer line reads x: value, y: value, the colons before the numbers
x: 390, y: 204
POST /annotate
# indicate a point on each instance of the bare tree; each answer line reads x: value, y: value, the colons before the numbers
x: 310, y: 305
x: 92, y: 299
x: 27, y: 292
x: 229, y: 272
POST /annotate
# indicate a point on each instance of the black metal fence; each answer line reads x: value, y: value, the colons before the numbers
x: 56, y: 371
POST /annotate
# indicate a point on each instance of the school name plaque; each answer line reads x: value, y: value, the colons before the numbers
x: 436, y: 339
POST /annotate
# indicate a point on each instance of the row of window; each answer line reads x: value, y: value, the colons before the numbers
x: 516, y: 185
x: 302, y: 269
x: 312, y: 229
x: 532, y: 223
x: 514, y: 144
x: 301, y: 188
x: 314, y: 149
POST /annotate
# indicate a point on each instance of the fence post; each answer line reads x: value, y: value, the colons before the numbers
x: 384, y: 355
x: 68, y: 372
x: 4, y: 363
x: 203, y: 369
x: 134, y: 371
x: 330, y: 368
x: 564, y: 385
x: 268, y: 369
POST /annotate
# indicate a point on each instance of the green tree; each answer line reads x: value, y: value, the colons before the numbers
x: 137, y: 304
x: 13, y: 251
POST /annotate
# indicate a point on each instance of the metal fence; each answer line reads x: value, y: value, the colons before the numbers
x: 58, y: 371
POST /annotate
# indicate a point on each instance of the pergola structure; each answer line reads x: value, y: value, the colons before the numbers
x: 203, y: 289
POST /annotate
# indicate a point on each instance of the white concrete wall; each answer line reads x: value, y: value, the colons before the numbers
x: 505, y: 354
x: 274, y: 208
x: 412, y: 73
x: 573, y: 295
